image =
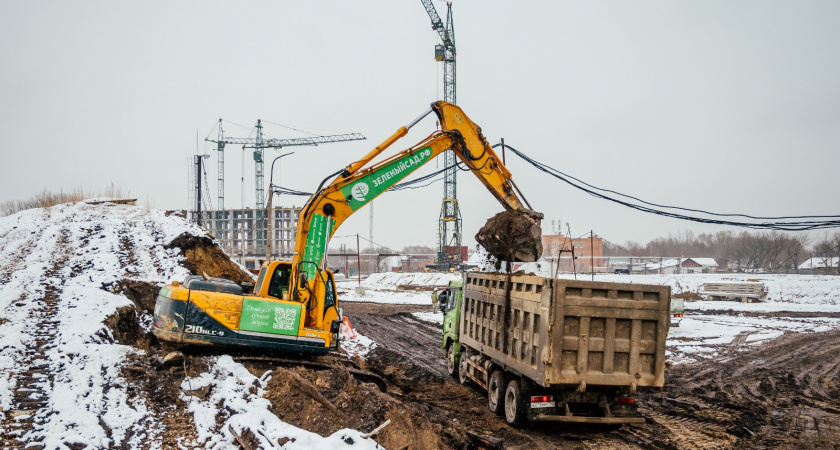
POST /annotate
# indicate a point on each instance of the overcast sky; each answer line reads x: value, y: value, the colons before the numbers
x: 728, y: 106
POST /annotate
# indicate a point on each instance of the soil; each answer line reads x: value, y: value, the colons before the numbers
x: 783, y: 393
x: 512, y: 236
x: 204, y: 256
x: 780, y: 395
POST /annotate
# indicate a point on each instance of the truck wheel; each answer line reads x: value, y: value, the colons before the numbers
x: 514, y: 404
x: 496, y: 392
x: 451, y: 366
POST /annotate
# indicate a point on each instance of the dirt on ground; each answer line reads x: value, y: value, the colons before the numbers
x: 782, y: 394
x: 512, y: 236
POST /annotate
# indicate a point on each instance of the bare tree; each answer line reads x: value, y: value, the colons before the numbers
x: 795, y: 250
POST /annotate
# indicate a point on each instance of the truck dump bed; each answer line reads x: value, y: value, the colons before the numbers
x: 568, y: 332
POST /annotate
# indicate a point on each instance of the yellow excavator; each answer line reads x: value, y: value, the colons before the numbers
x: 294, y: 305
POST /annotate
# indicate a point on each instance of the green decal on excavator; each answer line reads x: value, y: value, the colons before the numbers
x: 368, y: 187
x: 316, y: 239
x: 270, y: 317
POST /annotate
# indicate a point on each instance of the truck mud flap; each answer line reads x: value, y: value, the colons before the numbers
x: 592, y: 420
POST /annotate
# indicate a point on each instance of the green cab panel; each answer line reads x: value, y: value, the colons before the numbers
x: 270, y: 317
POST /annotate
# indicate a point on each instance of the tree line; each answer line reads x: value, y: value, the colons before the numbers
x: 766, y: 251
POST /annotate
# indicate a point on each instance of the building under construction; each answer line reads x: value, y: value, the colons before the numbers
x: 241, y: 232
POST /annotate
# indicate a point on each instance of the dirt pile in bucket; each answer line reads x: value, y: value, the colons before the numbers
x: 513, y: 236
x: 205, y: 256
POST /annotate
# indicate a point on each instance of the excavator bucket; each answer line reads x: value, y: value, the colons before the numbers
x: 513, y: 236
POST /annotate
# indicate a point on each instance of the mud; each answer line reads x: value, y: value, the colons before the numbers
x: 512, y: 236
x: 142, y: 293
x: 781, y: 394
x: 204, y: 256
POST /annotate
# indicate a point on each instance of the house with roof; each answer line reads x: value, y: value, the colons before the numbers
x: 670, y: 266
x: 820, y: 265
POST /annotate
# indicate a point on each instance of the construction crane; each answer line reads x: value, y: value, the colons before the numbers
x: 449, y: 227
x: 259, y: 144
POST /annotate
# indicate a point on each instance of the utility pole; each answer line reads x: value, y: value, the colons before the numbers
x: 198, y: 189
x: 449, y: 227
x: 591, y: 255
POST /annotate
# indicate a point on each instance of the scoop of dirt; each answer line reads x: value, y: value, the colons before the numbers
x: 514, y: 236
x: 205, y: 256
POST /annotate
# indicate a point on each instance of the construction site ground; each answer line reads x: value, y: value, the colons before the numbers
x: 784, y: 393
x: 79, y: 368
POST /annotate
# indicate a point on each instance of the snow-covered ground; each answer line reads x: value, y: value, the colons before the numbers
x: 385, y: 287
x: 56, y: 269
x: 793, y: 304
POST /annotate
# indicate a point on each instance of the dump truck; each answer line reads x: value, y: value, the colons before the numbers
x: 556, y: 350
x: 294, y: 305
x: 677, y: 311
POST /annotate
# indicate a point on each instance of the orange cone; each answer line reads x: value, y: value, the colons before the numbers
x: 345, y: 322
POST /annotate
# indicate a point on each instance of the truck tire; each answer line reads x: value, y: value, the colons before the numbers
x: 451, y: 365
x: 514, y: 404
x: 496, y: 392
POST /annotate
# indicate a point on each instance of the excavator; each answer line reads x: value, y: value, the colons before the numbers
x: 293, y: 306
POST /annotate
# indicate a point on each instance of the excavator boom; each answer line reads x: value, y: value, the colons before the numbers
x: 294, y: 305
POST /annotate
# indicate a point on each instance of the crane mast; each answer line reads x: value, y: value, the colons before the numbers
x: 449, y: 227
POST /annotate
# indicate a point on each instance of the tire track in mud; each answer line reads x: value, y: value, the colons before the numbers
x: 33, y: 380
x: 410, y: 357
x: 780, y: 394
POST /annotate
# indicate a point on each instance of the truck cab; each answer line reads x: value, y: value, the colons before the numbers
x: 450, y: 306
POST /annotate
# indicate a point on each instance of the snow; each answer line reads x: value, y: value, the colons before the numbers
x: 819, y: 263
x: 58, y: 265
x: 433, y: 317
x: 384, y: 287
x: 707, y: 328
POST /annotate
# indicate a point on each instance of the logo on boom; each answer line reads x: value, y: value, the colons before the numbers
x: 359, y: 191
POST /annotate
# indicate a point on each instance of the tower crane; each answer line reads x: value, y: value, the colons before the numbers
x: 449, y: 227
x: 259, y: 144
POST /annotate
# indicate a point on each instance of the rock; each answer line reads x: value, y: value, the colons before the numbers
x: 174, y: 359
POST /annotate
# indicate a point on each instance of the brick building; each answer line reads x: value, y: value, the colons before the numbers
x: 586, y: 251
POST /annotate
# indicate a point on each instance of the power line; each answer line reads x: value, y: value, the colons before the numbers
x: 651, y: 208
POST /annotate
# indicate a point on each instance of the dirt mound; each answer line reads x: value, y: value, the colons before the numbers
x: 513, y: 236
x: 325, y: 401
x: 205, y: 256
x: 143, y: 294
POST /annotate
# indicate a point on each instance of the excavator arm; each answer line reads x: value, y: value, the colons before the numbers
x: 294, y: 305
x: 357, y: 185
